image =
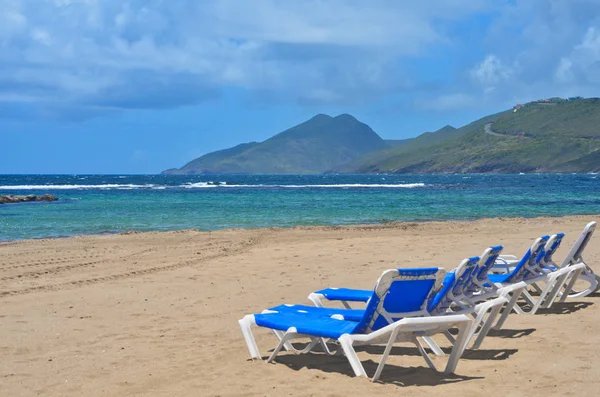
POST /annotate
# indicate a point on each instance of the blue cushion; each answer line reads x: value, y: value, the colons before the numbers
x: 441, y: 302
x: 346, y: 294
x: 349, y: 314
x: 325, y: 327
x: 499, y: 278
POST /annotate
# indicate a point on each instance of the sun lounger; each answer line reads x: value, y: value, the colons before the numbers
x: 533, y: 271
x: 452, y: 299
x: 575, y: 257
x: 399, y: 293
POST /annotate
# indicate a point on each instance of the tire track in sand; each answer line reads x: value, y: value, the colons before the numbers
x: 246, y: 245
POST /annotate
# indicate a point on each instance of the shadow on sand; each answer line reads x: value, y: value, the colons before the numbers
x: 392, y: 374
x: 565, y: 307
x: 511, y: 333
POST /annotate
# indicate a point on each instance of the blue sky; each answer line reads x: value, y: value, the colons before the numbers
x: 133, y: 86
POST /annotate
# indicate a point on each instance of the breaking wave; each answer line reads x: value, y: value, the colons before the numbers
x: 202, y: 185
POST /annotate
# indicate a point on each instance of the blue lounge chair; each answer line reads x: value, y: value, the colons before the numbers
x: 536, y: 270
x: 573, y: 258
x: 449, y: 300
x: 399, y: 293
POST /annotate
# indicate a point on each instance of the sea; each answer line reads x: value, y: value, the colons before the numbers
x: 105, y: 204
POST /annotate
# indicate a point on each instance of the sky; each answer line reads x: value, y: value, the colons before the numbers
x: 139, y: 86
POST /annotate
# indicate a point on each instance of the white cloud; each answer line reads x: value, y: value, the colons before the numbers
x: 491, y: 71
x: 563, y: 73
x: 591, y: 43
x: 101, y: 53
x: 111, y: 54
x: 41, y: 36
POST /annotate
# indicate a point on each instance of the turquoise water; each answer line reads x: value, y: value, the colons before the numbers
x: 93, y: 204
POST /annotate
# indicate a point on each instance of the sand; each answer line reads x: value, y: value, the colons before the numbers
x: 156, y: 313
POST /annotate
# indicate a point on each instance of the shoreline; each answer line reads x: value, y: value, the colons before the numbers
x: 375, y: 226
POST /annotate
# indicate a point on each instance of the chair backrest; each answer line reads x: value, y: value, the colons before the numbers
x: 400, y: 293
x: 530, y: 260
x: 485, y: 264
x: 551, y: 246
x: 454, y: 285
x: 575, y: 255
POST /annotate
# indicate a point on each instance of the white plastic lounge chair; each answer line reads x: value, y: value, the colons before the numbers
x: 399, y: 293
x: 574, y: 257
x: 530, y: 270
x: 450, y: 300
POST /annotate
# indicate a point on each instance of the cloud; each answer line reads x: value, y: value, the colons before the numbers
x: 491, y: 71
x: 564, y: 74
x: 533, y: 49
x: 89, y: 55
x: 80, y: 58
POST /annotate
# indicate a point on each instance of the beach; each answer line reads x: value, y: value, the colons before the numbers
x: 156, y: 313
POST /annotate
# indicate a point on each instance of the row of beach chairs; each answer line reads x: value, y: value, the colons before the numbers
x: 414, y: 304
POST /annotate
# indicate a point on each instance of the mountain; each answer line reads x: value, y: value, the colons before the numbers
x: 386, y: 159
x: 320, y: 144
x: 551, y: 135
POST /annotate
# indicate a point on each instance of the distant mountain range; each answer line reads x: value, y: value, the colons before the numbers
x: 551, y: 135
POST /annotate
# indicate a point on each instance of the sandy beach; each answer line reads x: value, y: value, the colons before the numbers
x: 156, y: 313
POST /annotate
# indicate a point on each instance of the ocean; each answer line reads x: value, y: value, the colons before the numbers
x: 96, y: 204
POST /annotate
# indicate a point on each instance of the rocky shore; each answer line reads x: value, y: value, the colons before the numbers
x: 10, y: 198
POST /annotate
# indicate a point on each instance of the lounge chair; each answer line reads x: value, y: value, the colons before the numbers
x: 574, y: 257
x: 451, y: 299
x: 399, y: 293
x: 531, y: 270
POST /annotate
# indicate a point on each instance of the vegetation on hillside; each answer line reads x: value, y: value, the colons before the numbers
x: 550, y: 135
x: 315, y: 146
x: 547, y: 136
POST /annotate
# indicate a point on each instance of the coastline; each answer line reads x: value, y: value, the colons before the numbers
x: 374, y: 226
x: 155, y: 313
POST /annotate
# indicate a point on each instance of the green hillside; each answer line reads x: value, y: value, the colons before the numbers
x: 545, y: 136
x: 387, y: 159
x: 207, y: 161
x: 315, y: 146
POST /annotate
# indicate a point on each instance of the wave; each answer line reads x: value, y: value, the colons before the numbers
x: 342, y: 185
x: 77, y: 187
x: 202, y: 185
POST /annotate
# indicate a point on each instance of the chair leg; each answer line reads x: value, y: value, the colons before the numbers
x: 437, y: 350
x: 493, y: 309
x: 246, y: 324
x: 515, y: 294
x: 458, y: 349
x: 530, y: 300
x: 424, y: 354
x: 287, y: 336
x: 575, y: 275
x: 346, y: 343
x: 385, y: 355
x: 560, y: 283
x: 287, y: 345
x: 549, y: 293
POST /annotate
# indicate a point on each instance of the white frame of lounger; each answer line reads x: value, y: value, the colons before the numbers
x: 588, y: 274
x: 484, y: 314
x: 557, y: 283
x: 405, y: 330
